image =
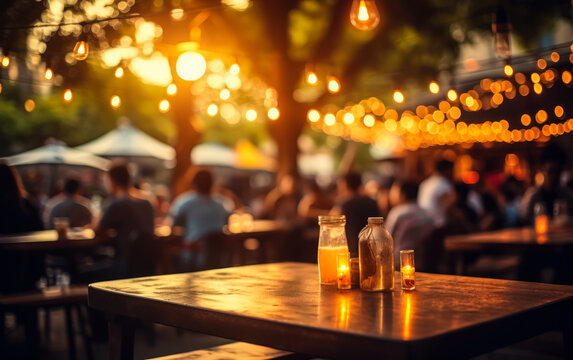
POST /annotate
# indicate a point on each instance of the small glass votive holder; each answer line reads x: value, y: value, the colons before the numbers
x: 407, y: 269
x: 355, y: 272
x: 343, y: 271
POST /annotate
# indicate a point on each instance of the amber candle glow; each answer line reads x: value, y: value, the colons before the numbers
x: 407, y: 269
x: 343, y: 271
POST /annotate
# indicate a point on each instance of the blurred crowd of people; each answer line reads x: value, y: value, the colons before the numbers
x: 414, y: 211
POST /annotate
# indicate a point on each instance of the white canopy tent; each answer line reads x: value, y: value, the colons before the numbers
x: 58, y: 154
x: 127, y: 141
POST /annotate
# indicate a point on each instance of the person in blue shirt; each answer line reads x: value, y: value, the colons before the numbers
x: 200, y: 216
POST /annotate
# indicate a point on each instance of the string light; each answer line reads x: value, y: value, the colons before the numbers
x: 452, y: 95
x: 115, y: 101
x: 164, y: 106
x: 273, y: 113
x: 235, y: 69
x: 48, y: 74
x: 508, y: 70
x: 434, y: 87
x: 364, y: 15
x: 171, y: 89
x: 68, y: 95
x: 313, y: 115
x: 212, y: 109
x: 81, y: 50
x: 333, y: 85
x: 251, y: 115
x: 5, y: 61
x: 398, y: 97
x: 311, y: 78
x: 119, y: 72
x: 190, y: 66
x: 29, y: 105
x: 225, y: 94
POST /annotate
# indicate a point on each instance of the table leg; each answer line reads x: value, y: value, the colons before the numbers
x: 121, y: 331
x: 568, y: 335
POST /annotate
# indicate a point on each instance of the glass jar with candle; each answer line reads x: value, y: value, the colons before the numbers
x: 331, y: 242
x: 376, y: 256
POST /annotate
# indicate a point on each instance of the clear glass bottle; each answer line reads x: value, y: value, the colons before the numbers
x: 376, y: 256
x: 331, y: 242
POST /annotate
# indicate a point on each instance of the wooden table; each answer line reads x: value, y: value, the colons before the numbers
x: 263, y: 241
x: 283, y: 306
x: 552, y: 249
x: 47, y: 240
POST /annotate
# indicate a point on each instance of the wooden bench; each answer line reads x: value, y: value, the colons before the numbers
x: 27, y: 304
x: 236, y: 350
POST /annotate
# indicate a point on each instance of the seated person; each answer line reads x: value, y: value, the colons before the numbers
x: 551, y: 192
x: 408, y: 223
x: 72, y: 206
x: 200, y: 215
x: 132, y: 220
x: 356, y: 206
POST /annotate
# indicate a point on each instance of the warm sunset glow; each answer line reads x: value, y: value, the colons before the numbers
x: 398, y: 97
x: 191, y: 66
x: 313, y: 115
x: 81, y: 50
x: 68, y: 95
x: 164, y: 106
x: 434, y: 87
x: 115, y: 101
x: 171, y: 89
x: 48, y: 74
x: 273, y: 113
x: 118, y: 72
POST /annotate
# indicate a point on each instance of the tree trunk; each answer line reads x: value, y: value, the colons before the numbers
x: 186, y: 135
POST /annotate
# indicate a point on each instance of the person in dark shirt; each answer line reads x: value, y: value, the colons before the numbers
x: 357, y: 208
x: 17, y: 214
x: 72, y: 206
x: 132, y: 220
x: 551, y: 192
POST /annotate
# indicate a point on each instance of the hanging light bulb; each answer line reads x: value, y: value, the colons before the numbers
x: 48, y: 74
x: 364, y: 15
x: 81, y: 50
x: 119, y: 72
x: 68, y: 95
x: 5, y: 61
x: 191, y: 66
x: 501, y: 28
x: 311, y: 78
x: 333, y: 84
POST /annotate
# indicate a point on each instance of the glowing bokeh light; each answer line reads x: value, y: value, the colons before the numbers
x: 191, y: 66
x: 164, y: 106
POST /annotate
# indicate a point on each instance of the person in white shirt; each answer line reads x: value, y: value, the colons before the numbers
x: 436, y: 192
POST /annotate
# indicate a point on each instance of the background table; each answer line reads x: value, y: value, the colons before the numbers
x: 553, y: 249
x: 283, y: 306
x: 47, y: 240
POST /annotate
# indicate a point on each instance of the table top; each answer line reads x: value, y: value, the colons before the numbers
x: 511, y: 238
x: 283, y: 306
x: 48, y: 240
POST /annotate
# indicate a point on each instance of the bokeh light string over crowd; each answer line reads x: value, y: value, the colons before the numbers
x: 372, y: 121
